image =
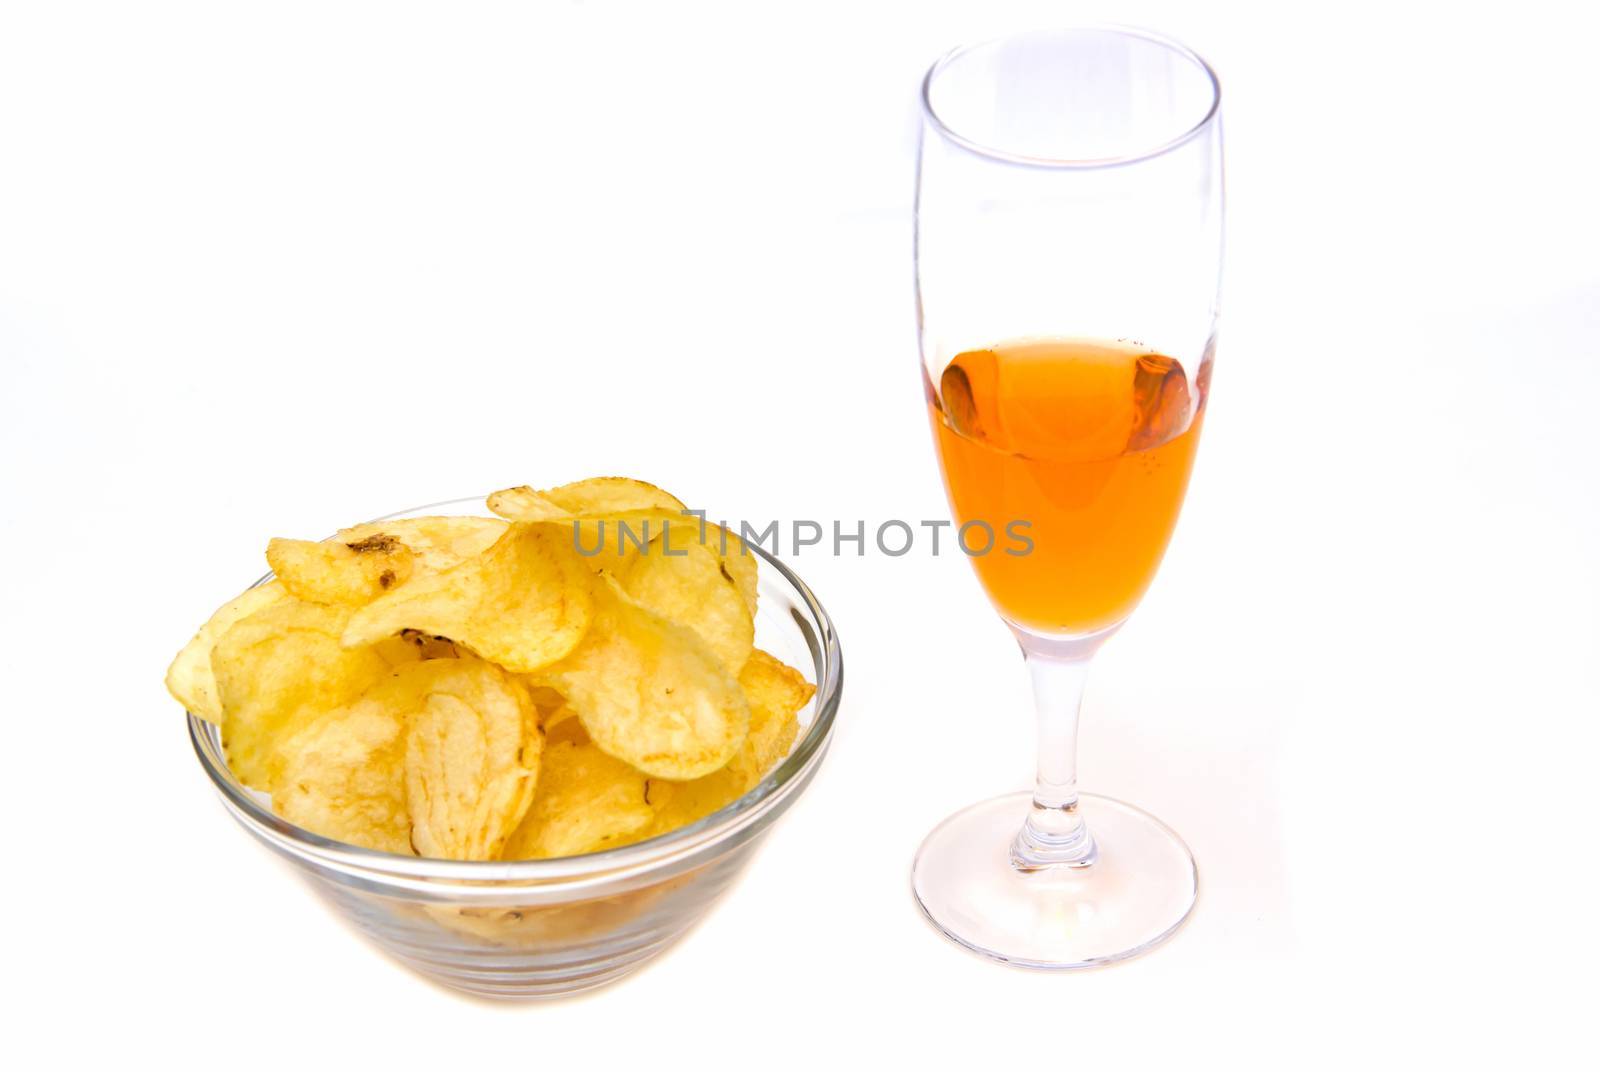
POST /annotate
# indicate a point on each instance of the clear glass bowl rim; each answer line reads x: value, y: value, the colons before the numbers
x: 1000, y: 155
x: 748, y: 811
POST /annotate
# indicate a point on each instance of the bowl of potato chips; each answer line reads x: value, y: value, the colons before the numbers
x: 522, y: 743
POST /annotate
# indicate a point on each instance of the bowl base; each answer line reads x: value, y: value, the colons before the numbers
x: 535, y: 977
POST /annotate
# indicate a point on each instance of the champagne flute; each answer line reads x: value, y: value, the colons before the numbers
x: 1068, y: 258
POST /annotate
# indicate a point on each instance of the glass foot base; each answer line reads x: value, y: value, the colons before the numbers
x: 1133, y: 898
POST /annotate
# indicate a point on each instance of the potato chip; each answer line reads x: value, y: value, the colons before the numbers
x: 190, y: 678
x: 414, y: 646
x: 558, y: 720
x: 344, y: 773
x: 341, y: 572
x: 564, y: 725
x: 278, y: 669
x: 523, y: 504
x: 471, y: 758
x: 437, y: 542
x: 739, y: 563
x: 677, y: 804
x: 609, y: 496
x: 610, y: 543
x: 775, y: 692
x: 682, y: 580
x: 553, y: 927
x: 651, y: 692
x: 523, y: 603
x: 420, y: 646
x: 586, y: 801
x: 596, y: 507
x: 546, y: 700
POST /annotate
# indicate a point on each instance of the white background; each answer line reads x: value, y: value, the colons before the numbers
x: 268, y: 268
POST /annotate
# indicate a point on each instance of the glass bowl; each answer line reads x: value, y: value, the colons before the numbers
x: 545, y: 928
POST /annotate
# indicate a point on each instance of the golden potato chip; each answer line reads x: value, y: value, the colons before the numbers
x: 344, y: 773
x: 775, y: 692
x: 471, y: 758
x: 586, y: 801
x: 565, y: 725
x: 610, y: 518
x: 557, y: 719
x: 561, y: 723
x: 419, y: 646
x: 553, y: 714
x: 551, y: 927
x: 651, y: 692
x: 341, y: 572
x: 677, y: 804
x: 414, y: 646
x: 682, y: 580
x: 278, y: 669
x: 190, y: 679
x: 545, y: 699
x: 609, y: 496
x: 437, y: 542
x: 523, y: 603
x: 610, y: 543
x: 739, y: 563
x: 523, y: 504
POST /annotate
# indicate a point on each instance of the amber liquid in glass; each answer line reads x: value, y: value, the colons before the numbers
x: 1091, y: 443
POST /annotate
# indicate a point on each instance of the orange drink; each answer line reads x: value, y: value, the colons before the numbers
x: 1089, y: 443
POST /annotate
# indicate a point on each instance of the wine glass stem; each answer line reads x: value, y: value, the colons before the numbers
x: 1055, y: 834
